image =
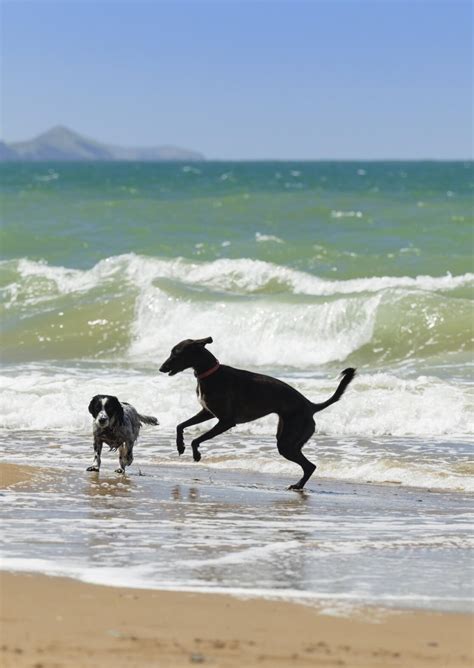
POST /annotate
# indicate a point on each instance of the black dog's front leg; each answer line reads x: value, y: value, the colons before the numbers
x: 97, y: 452
x: 202, y: 416
x: 219, y: 428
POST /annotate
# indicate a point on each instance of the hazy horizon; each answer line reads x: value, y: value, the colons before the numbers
x: 263, y: 159
x: 248, y: 81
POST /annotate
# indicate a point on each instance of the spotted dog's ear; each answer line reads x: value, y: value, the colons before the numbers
x: 94, y: 406
x: 203, y: 342
x: 114, y: 408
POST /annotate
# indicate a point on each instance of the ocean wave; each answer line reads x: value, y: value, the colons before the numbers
x: 135, y: 307
x: 299, y: 335
x: 246, y: 276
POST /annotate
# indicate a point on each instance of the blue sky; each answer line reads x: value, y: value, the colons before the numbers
x: 244, y: 80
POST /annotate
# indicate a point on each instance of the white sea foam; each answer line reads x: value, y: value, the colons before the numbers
x: 254, y: 553
x: 333, y: 603
x: 268, y: 237
x: 241, y: 275
x: 266, y: 335
x: 249, y: 276
x: 45, y: 397
x: 323, y: 548
x: 368, y: 464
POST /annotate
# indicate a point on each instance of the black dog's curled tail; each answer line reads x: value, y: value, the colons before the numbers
x: 148, y: 419
x: 347, y: 376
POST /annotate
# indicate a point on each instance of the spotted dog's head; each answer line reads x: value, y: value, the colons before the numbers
x: 106, y: 410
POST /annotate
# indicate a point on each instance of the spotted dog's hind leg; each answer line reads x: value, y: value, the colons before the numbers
x: 97, y: 452
x: 125, y: 457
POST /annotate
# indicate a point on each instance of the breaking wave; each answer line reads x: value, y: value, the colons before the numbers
x: 134, y: 307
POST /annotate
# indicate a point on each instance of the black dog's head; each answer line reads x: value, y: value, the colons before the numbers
x: 184, y: 355
x: 106, y: 410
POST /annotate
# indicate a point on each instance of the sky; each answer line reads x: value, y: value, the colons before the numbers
x: 321, y: 79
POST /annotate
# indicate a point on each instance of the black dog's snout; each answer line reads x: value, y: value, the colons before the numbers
x: 102, y: 420
x: 164, y: 367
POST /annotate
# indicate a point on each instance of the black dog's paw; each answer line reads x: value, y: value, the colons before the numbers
x: 196, y: 453
x: 296, y: 487
x: 180, y: 443
x: 119, y: 470
x: 92, y: 468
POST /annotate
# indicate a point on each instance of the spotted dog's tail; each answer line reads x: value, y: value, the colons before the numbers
x: 347, y: 376
x: 148, y: 419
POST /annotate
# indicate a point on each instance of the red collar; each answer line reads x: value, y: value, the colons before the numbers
x: 207, y: 373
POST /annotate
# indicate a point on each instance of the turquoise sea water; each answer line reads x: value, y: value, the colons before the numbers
x: 296, y: 269
x: 348, y: 219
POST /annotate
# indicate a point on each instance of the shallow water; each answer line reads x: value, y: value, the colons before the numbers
x: 175, y: 524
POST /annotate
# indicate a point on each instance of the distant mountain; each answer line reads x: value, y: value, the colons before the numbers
x: 63, y: 144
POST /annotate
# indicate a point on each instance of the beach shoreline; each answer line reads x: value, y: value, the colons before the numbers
x: 194, y: 530
x: 63, y: 622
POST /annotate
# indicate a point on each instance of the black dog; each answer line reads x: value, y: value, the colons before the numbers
x: 117, y: 424
x: 234, y: 396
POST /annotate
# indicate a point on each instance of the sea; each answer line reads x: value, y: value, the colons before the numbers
x: 297, y: 270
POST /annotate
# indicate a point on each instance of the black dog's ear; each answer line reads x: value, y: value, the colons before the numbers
x: 116, y: 408
x: 202, y: 342
x: 94, y: 405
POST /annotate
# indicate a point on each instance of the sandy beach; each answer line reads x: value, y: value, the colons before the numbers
x: 60, y: 622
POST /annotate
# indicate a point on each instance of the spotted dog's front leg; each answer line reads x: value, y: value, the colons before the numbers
x: 125, y: 457
x: 97, y: 452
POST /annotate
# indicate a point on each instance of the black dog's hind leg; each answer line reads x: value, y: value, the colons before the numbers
x: 219, y: 428
x: 202, y: 416
x: 125, y: 457
x: 292, y: 434
x: 97, y: 452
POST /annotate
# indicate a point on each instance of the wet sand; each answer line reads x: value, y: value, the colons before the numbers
x: 60, y: 622
x: 192, y: 528
x: 57, y: 622
x: 12, y: 474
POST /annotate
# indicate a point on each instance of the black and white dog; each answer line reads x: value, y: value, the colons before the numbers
x: 117, y: 424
